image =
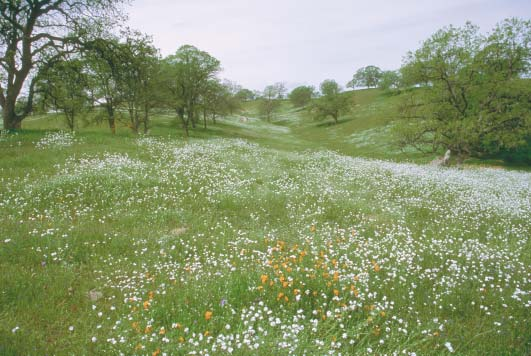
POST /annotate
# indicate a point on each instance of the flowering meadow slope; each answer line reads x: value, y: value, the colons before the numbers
x: 224, y: 247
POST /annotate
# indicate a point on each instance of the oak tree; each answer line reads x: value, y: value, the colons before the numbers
x: 475, y: 96
x: 35, y: 33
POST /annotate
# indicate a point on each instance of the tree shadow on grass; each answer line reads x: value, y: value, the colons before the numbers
x: 332, y: 123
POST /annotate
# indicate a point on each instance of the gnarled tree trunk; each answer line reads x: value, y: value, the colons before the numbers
x: 10, y: 119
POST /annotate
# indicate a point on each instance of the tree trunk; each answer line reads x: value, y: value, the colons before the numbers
x: 10, y: 118
x: 446, y: 158
x: 110, y: 116
x: 146, y: 118
x: 137, y: 121
x: 112, y: 125
x: 191, y: 117
x: 460, y: 159
x: 180, y: 115
x: 205, y: 119
x: 185, y: 126
x: 133, y: 118
x: 70, y: 120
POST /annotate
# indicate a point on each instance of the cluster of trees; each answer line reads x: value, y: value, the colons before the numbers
x: 67, y: 55
x: 34, y: 35
x: 113, y: 74
x: 190, y: 86
x: 373, y: 77
x: 328, y: 102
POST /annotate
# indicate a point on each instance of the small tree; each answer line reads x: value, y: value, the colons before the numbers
x: 64, y: 86
x: 245, y: 95
x: 301, y: 96
x: 281, y: 90
x: 332, y: 103
x: 228, y: 96
x: 270, y: 100
x: 187, y: 75
x: 390, y: 80
x: 137, y: 78
x: 218, y: 100
x: 105, y: 65
x: 366, y: 77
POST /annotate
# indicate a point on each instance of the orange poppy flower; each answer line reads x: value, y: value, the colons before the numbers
x: 208, y: 315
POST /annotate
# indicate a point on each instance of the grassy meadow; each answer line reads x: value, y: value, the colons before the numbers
x: 292, y: 237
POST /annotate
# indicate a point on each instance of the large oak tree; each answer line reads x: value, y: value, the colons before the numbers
x: 475, y: 98
x: 35, y: 33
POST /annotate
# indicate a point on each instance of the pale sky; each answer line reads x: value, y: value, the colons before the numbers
x: 260, y: 42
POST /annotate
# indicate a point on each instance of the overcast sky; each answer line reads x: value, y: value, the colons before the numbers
x: 260, y: 42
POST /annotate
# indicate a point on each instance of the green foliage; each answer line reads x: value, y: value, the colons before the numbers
x: 139, y: 78
x: 64, y: 87
x: 329, y: 88
x: 229, y: 99
x: 35, y: 34
x: 331, y: 103
x: 188, y: 75
x: 269, y: 101
x: 301, y: 96
x: 245, y: 95
x: 219, y: 99
x: 390, y: 80
x: 475, y: 99
x: 368, y: 77
x: 104, y: 64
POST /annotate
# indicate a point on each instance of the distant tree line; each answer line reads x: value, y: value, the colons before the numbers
x: 328, y: 102
x: 374, y: 77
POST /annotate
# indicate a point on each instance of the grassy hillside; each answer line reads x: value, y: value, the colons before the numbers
x: 255, y: 238
x: 364, y: 132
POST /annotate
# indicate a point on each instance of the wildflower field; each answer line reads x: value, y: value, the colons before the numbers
x: 221, y: 246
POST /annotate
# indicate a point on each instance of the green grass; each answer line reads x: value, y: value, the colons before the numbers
x: 292, y: 248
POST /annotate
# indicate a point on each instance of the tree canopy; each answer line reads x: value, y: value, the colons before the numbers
x: 390, y: 80
x: 63, y: 87
x: 475, y: 98
x: 301, y: 96
x: 368, y: 76
x: 188, y: 74
x: 332, y: 103
x: 35, y: 34
x: 269, y: 101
